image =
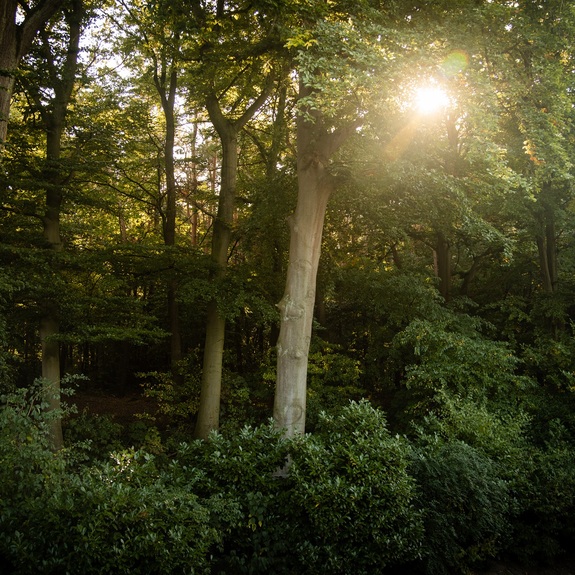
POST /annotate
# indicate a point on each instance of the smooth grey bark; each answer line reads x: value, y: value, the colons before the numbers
x: 209, y: 407
x: 315, y: 146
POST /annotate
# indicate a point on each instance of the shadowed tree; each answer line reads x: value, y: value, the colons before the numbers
x: 16, y: 39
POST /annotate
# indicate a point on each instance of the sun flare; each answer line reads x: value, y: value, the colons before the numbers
x: 430, y: 99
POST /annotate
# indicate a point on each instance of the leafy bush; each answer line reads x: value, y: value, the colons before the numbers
x: 242, y: 467
x: 353, y: 495
x: 130, y: 516
x: 92, y: 436
x: 545, y: 494
x: 343, y: 503
x: 28, y: 469
x: 466, y: 505
x: 350, y: 498
x: 333, y: 379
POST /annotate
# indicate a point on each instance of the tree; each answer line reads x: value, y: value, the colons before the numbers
x: 156, y: 32
x: 50, y: 89
x: 15, y: 42
x: 236, y: 47
x: 329, y: 114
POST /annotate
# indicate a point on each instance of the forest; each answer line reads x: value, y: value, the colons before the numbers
x: 329, y: 245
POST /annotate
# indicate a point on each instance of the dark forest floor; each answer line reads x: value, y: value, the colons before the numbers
x: 124, y: 409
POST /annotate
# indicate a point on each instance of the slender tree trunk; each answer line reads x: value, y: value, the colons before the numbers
x: 228, y: 130
x: 168, y: 97
x: 170, y: 239
x: 55, y: 117
x: 548, y: 262
x: 209, y: 408
x: 544, y: 265
x: 547, y: 249
x: 49, y: 323
x: 443, y: 259
x: 8, y: 63
x: 49, y: 330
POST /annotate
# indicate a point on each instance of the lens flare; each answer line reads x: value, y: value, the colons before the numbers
x: 430, y: 99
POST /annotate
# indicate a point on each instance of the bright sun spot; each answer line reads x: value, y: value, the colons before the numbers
x: 430, y: 99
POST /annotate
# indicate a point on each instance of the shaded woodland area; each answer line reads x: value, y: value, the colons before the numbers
x: 287, y: 286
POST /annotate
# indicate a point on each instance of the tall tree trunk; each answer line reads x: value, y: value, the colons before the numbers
x: 15, y: 42
x: 547, y: 249
x: 167, y: 91
x: 209, y: 407
x: 228, y: 130
x: 54, y: 118
x: 315, y: 146
x: 297, y: 304
x: 548, y: 262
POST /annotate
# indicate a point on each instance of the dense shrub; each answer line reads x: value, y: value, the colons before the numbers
x: 349, y: 498
x: 131, y: 515
x: 353, y: 494
x: 545, y: 493
x: 243, y: 467
x: 466, y: 505
x: 337, y: 501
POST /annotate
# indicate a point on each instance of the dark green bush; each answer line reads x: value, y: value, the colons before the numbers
x: 353, y: 496
x: 349, y: 498
x: 345, y: 504
x: 133, y: 515
x: 544, y: 489
x: 333, y: 380
x: 465, y: 502
x: 243, y: 467
x: 93, y: 436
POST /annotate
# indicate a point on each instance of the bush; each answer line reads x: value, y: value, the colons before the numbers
x: 545, y: 494
x: 133, y: 515
x: 343, y: 504
x: 242, y: 467
x: 465, y: 502
x: 333, y: 379
x: 353, y: 496
x: 92, y: 436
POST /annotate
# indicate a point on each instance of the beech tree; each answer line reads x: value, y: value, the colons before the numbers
x: 155, y: 34
x: 49, y: 83
x: 347, y: 60
x: 337, y: 60
x: 237, y: 45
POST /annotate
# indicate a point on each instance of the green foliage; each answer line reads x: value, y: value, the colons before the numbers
x: 351, y: 485
x: 453, y: 355
x: 337, y: 501
x: 243, y: 467
x: 92, y: 436
x: 333, y: 380
x: 466, y: 505
x: 129, y: 516
x: 544, y: 488
x: 176, y: 400
x: 349, y: 498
